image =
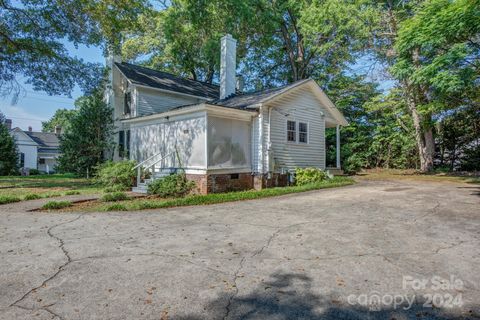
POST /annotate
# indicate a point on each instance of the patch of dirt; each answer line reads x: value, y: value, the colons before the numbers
x: 396, y: 189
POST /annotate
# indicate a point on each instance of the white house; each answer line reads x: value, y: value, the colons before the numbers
x: 224, y: 139
x: 37, y: 150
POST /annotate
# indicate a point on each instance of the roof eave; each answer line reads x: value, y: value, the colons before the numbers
x: 170, y: 91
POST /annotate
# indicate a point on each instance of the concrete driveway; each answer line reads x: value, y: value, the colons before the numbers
x: 363, y: 251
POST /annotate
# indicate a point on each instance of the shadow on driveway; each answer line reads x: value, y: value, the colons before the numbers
x: 290, y: 296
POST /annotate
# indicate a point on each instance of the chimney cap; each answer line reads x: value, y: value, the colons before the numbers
x: 228, y: 35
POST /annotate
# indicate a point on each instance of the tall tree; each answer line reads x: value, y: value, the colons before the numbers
x: 278, y: 41
x: 61, y: 118
x: 380, y: 130
x: 8, y: 150
x: 439, y: 63
x: 88, y: 142
x: 32, y: 33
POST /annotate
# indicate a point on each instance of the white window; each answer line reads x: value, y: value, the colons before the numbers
x: 291, y: 131
x: 297, y: 131
x: 302, y: 132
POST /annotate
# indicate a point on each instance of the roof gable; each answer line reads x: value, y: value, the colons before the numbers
x: 44, y: 139
x: 22, y: 138
x: 249, y: 100
x: 242, y: 101
x: 321, y: 97
x: 166, y: 81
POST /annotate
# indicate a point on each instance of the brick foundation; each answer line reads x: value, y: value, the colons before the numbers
x: 217, y: 183
x: 276, y: 180
x: 201, y: 182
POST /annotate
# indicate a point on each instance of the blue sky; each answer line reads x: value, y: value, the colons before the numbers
x: 36, y: 106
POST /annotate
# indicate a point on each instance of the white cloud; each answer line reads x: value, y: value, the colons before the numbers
x: 22, y: 118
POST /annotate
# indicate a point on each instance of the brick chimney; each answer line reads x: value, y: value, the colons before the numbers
x: 29, y: 128
x: 58, y: 130
x: 8, y: 123
x: 228, y: 66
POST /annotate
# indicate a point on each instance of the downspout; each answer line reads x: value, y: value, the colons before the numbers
x: 260, y: 141
x: 269, y: 142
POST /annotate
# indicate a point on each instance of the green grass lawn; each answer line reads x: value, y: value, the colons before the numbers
x: 18, y: 188
x: 155, y: 203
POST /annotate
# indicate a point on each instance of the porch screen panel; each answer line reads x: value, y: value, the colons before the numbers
x: 228, y: 143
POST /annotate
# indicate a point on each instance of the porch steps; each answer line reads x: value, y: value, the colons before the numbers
x: 143, y: 186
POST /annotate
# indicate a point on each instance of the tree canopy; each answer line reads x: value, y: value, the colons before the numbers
x: 33, y: 33
x: 8, y: 150
x: 426, y: 115
x: 61, y: 118
x: 88, y: 141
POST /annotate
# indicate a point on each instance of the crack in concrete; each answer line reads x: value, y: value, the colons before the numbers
x: 230, y: 299
x: 59, y: 270
x: 255, y: 253
x: 430, y: 212
x: 453, y: 245
x: 44, y: 308
x: 151, y: 254
x: 160, y: 229
x: 52, y: 313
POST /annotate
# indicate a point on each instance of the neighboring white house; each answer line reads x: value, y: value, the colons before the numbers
x: 224, y: 139
x: 37, y: 150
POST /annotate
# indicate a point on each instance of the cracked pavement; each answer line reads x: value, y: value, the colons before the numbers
x: 298, y: 256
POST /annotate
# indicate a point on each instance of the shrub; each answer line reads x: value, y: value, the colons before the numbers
x: 34, y: 172
x: 72, y: 193
x: 9, y: 199
x: 31, y: 196
x: 116, y: 207
x: 114, y: 196
x: 116, y: 188
x: 175, y: 185
x: 55, y: 205
x: 305, y: 176
x: 117, y: 174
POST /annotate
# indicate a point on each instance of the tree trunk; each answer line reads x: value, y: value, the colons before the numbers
x: 423, y: 136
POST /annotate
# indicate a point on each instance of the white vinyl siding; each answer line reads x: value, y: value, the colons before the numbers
x: 150, y: 101
x: 31, y: 156
x: 301, y: 106
x: 28, y: 147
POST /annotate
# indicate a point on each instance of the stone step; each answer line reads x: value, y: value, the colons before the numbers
x: 335, y: 171
x: 143, y: 186
x: 141, y: 189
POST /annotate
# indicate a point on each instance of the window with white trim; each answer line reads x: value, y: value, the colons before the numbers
x: 302, y: 132
x: 291, y: 131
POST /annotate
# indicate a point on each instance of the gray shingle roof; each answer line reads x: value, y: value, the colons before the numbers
x: 167, y: 81
x: 44, y: 139
x: 241, y: 101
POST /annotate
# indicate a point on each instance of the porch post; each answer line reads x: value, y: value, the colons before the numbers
x: 338, y: 146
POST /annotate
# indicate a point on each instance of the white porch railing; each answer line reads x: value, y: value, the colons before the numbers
x: 151, y: 163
